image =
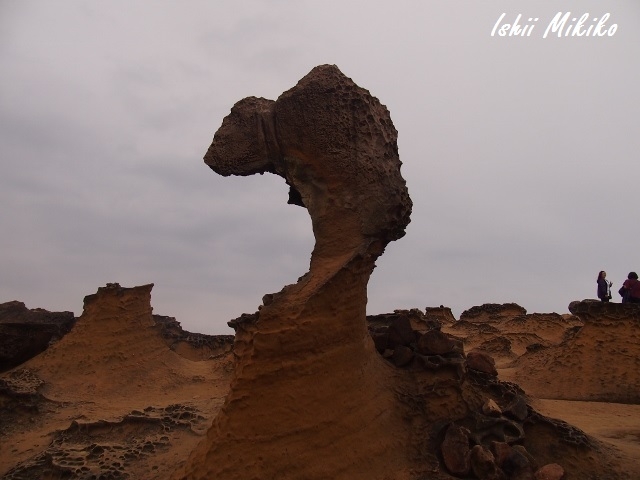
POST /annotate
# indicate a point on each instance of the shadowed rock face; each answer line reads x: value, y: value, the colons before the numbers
x: 24, y: 333
x: 309, y: 393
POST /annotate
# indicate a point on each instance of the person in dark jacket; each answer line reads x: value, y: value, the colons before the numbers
x: 604, y: 287
x: 632, y: 286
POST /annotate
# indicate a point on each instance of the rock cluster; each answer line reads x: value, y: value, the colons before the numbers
x: 398, y: 341
x: 486, y: 439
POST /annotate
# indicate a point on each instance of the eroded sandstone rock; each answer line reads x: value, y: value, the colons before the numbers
x: 492, y: 312
x: 309, y: 383
x: 312, y: 398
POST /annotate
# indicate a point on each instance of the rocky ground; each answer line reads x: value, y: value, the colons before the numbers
x: 128, y: 394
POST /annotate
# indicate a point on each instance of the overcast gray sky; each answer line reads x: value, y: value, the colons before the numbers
x: 520, y: 153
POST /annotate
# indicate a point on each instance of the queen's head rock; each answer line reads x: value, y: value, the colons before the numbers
x: 309, y: 383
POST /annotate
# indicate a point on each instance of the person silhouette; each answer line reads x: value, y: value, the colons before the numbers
x: 632, y: 287
x: 604, y: 287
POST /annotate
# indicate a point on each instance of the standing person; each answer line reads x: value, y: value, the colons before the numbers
x: 604, y: 287
x: 632, y: 286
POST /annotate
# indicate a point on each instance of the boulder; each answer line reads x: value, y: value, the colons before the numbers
x: 481, y: 362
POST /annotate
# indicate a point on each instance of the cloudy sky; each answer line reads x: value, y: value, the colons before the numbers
x: 521, y: 154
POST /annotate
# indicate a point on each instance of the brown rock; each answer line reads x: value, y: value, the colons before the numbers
x: 455, y: 450
x: 435, y: 342
x: 442, y: 314
x: 501, y: 451
x: 381, y: 341
x: 24, y: 333
x: 517, y: 408
x: 492, y: 312
x: 336, y: 147
x: 419, y: 321
x: 402, y: 356
x: 483, y: 464
x: 512, y: 461
x: 551, y: 471
x: 401, y: 333
x: 524, y: 452
x: 491, y: 408
x: 482, y: 362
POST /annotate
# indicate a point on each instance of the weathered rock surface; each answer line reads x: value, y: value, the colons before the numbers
x: 194, y: 346
x: 309, y: 383
x: 492, y: 312
x: 442, y: 314
x: 600, y: 348
x: 110, y: 399
x: 506, y: 332
x: 24, y: 333
x: 456, y: 452
x: 482, y: 362
x: 552, y: 471
x: 315, y: 396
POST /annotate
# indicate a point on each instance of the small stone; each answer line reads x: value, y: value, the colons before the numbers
x: 401, y: 332
x: 517, y: 409
x: 455, y: 450
x: 551, y: 471
x: 484, y: 465
x: 434, y: 342
x: 381, y: 341
x: 402, y: 356
x: 491, y: 408
x: 481, y: 362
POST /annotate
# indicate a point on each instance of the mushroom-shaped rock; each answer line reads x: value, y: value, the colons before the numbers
x: 309, y: 385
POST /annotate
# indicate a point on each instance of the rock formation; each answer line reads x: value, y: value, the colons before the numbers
x: 111, y: 398
x: 309, y: 384
x: 314, y: 396
x: 24, y: 332
x: 492, y: 312
x: 507, y: 332
x: 194, y: 346
x: 601, y: 351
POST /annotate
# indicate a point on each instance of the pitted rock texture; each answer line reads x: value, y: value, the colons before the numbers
x: 414, y: 317
x: 442, y: 314
x: 309, y: 389
x: 492, y: 312
x: 314, y: 396
x: 466, y: 423
x: 24, y: 333
x: 102, y: 378
x: 107, y: 449
x: 507, y: 334
x: 594, y: 310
